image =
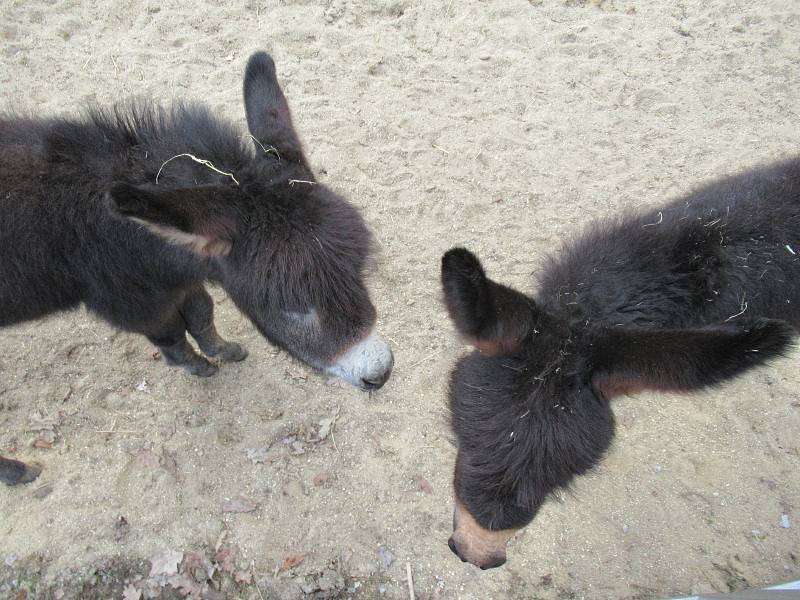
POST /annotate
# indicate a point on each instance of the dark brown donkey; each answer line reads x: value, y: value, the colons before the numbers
x: 115, y: 211
x: 676, y: 299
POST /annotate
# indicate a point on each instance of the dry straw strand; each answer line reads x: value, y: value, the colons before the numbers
x: 202, y: 161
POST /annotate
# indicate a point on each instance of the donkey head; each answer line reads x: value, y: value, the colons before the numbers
x: 289, y: 251
x: 529, y: 406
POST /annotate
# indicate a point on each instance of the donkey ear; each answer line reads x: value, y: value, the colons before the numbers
x: 188, y: 218
x: 627, y: 360
x: 494, y: 318
x: 268, y: 115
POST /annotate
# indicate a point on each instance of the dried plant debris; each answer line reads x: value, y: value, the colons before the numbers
x: 45, y: 428
x: 165, y: 563
x: 291, y: 561
x: 148, y: 458
x: 423, y: 484
x: 202, y: 574
x: 257, y: 455
x: 121, y: 528
x: 303, y: 438
x: 207, y: 573
x: 131, y: 593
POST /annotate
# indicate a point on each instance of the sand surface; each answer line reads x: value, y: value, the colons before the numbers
x: 502, y: 125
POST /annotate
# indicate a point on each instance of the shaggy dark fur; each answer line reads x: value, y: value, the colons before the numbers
x: 86, y: 218
x: 678, y: 299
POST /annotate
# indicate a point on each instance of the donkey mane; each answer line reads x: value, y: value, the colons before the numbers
x: 132, y: 140
x: 141, y: 134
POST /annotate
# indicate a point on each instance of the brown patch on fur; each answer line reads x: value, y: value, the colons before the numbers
x: 482, y: 547
x: 611, y: 386
x: 498, y: 347
x: 197, y: 243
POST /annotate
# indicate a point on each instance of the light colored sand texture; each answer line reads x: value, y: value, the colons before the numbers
x: 502, y: 125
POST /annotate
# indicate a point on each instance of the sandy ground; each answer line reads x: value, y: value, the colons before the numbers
x: 502, y: 125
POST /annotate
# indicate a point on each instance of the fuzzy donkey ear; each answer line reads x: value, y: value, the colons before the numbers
x: 268, y: 115
x: 195, y: 219
x: 627, y: 360
x: 494, y: 318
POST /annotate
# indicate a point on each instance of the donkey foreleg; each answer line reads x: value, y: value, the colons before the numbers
x: 170, y: 337
x: 197, y: 311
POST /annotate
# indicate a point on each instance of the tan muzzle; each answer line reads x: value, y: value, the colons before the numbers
x: 472, y: 543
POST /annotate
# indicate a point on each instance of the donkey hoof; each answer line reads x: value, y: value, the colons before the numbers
x: 13, y: 472
x: 202, y: 369
x: 232, y: 352
x: 32, y: 471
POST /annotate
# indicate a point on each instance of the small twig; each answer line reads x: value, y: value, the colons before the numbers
x: 431, y: 355
x: 266, y: 149
x: 220, y: 539
x: 202, y: 161
x: 411, y: 595
x: 742, y: 305
x: 293, y: 181
x: 789, y: 248
x: 333, y: 426
x: 741, y: 312
x: 115, y: 431
x: 660, y: 219
x: 440, y: 148
x: 255, y: 583
x: 394, y: 341
x: 116, y: 69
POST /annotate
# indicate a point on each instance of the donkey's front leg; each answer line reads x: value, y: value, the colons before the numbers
x: 13, y: 472
x: 198, y: 313
x: 170, y: 337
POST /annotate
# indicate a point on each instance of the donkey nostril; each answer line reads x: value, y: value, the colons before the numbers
x: 374, y: 383
x: 452, y: 545
x: 497, y: 563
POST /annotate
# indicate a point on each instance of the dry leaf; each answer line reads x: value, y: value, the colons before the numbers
x: 198, y: 566
x: 424, y: 485
x: 40, y: 422
x: 42, y: 443
x: 291, y: 561
x: 169, y: 462
x: 324, y: 428
x: 224, y: 558
x: 186, y: 585
x: 131, y: 593
x: 165, y: 563
x: 256, y: 455
x: 245, y: 577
